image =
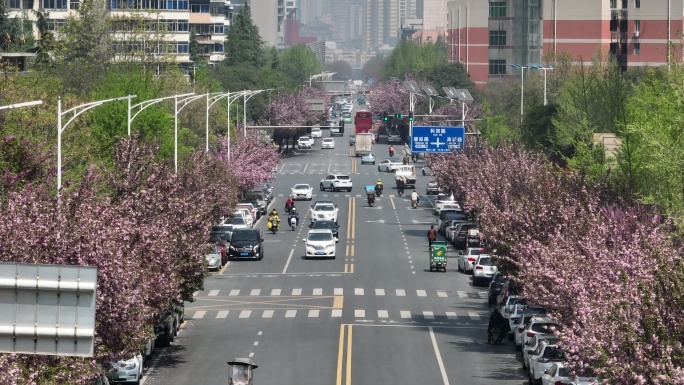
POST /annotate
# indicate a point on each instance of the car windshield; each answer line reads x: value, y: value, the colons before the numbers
x: 485, y: 262
x: 301, y: 187
x: 324, y: 225
x: 325, y: 208
x: 328, y: 140
x: 550, y: 341
x: 544, y: 327
x: 474, y: 251
x: 343, y: 177
x: 553, y: 353
x: 315, y: 129
x: 320, y: 236
x: 222, y: 229
x: 245, y: 236
x: 238, y: 221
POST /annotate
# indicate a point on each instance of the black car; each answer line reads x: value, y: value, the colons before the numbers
x: 165, y: 329
x: 246, y: 243
x: 497, y: 282
x: 330, y: 225
x: 462, y: 241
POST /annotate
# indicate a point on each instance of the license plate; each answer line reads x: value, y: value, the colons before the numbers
x: 244, y: 254
x: 488, y: 275
x: 320, y: 253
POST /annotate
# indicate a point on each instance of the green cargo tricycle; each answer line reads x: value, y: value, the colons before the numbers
x: 438, y: 256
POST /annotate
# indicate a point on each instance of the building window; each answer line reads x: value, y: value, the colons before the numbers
x: 637, y: 3
x: 637, y: 48
x: 497, y: 9
x: 497, y: 38
x: 497, y: 67
x: 55, y: 24
x: 14, y: 4
x: 613, y: 4
x: 637, y: 25
x: 54, y: 4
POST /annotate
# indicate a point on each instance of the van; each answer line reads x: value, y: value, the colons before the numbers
x: 260, y: 196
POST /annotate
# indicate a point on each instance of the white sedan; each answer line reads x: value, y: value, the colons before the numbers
x: 302, y: 191
x: 316, y: 132
x: 466, y: 261
x: 126, y: 370
x: 305, y: 142
x: 389, y: 165
x: 324, y: 211
x: 328, y: 143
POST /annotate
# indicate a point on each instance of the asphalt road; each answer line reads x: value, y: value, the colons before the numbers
x: 373, y: 315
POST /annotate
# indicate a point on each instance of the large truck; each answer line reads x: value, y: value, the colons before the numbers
x: 406, y: 172
x: 363, y: 144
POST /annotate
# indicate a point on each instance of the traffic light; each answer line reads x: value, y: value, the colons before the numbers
x: 410, y: 116
x: 398, y: 115
x: 341, y: 127
x: 384, y: 116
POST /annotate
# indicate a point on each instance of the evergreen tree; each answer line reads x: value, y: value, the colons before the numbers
x: 243, y: 44
x: 10, y: 31
x: 194, y: 49
x: 47, y: 41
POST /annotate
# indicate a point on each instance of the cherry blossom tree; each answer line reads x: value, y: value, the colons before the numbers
x: 389, y: 97
x: 454, y: 111
x: 252, y: 161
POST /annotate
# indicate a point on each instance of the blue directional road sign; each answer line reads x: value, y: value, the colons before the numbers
x: 436, y: 139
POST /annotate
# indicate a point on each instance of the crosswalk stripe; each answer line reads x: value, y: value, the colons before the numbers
x: 421, y: 293
x: 317, y: 291
x: 462, y: 294
x: 359, y: 313
x: 195, y: 294
x: 405, y: 314
x: 451, y: 315
x: 213, y: 293
x: 358, y: 291
x: 473, y: 315
x: 336, y: 313
x: 267, y: 314
x: 255, y: 292
x: 222, y: 314
x: 379, y: 291
x: 441, y: 293
x: 483, y: 294
x: 401, y: 293
x: 199, y: 314
x: 383, y: 314
x: 313, y: 313
x: 290, y: 313
x: 275, y: 292
x: 245, y: 314
x: 339, y: 291
x: 428, y: 315
x: 234, y: 292
x: 296, y: 291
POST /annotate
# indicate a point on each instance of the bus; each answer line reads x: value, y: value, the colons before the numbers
x: 363, y: 121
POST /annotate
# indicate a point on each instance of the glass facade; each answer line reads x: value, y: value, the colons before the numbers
x: 527, y: 32
x: 497, y: 9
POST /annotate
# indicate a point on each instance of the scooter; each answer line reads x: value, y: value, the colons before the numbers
x: 414, y: 203
x: 273, y: 225
x: 378, y: 191
x: 400, y: 191
x: 497, y: 335
x: 293, y: 223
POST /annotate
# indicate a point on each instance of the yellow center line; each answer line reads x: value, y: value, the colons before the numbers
x: 338, y: 302
x: 353, y: 219
x: 349, y: 354
x: 349, y: 219
x: 351, y: 253
x: 351, y: 268
x: 340, y: 356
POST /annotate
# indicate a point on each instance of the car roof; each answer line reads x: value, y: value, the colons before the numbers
x: 244, y: 230
x: 319, y: 202
x: 338, y: 174
x: 313, y: 231
x: 301, y: 184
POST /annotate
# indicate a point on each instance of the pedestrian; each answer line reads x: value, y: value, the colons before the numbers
x: 431, y: 235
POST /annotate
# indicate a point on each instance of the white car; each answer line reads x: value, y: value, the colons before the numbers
x: 484, y: 270
x: 466, y: 261
x: 302, y: 191
x: 443, y: 199
x: 426, y: 171
x: 213, y: 257
x: 316, y: 132
x: 448, y: 206
x: 336, y: 182
x: 305, y: 142
x: 324, y: 211
x: 130, y: 370
x: 239, y: 223
x: 543, y: 358
x: 532, y: 345
x: 246, y: 215
x: 389, y: 165
x: 320, y: 243
x: 328, y: 143
x: 558, y: 374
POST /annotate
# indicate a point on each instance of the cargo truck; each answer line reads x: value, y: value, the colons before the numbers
x: 363, y: 144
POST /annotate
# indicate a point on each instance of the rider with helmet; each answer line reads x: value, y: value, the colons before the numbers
x: 293, y: 214
x: 273, y: 220
x: 415, y: 197
x: 289, y: 204
x: 378, y: 187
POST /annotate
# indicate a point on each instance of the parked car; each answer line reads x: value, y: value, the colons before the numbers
x: 483, y: 270
x: 495, y: 286
x: 542, y: 359
x: 316, y: 132
x: 246, y: 244
x: 246, y: 215
x: 432, y: 187
x: 239, y: 222
x: 320, y: 243
x: 254, y: 212
x: 558, y: 374
x: 389, y: 165
x: 466, y: 260
x: 531, y: 345
x: 368, y: 159
x: 328, y: 143
x: 260, y: 196
x: 539, y: 324
x: 443, y: 199
x: 468, y: 235
x: 336, y: 182
x: 526, y: 314
x: 323, y: 211
x: 221, y: 243
x: 128, y: 370
x: 326, y: 225
x: 451, y: 214
x: 302, y: 191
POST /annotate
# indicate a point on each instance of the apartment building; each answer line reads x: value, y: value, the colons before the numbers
x: 382, y: 22
x: 490, y: 36
x: 435, y: 14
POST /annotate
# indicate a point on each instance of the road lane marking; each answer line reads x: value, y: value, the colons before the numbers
x: 445, y: 379
x: 313, y: 313
x: 462, y: 294
x: 234, y: 292
x: 336, y: 313
x: 351, y: 268
x: 245, y: 314
x: 405, y: 314
x: 338, y: 291
x: 346, y: 268
x: 380, y: 292
x: 318, y: 291
x: 275, y: 292
x: 353, y: 221
x: 288, y: 261
x: 290, y: 313
x: 473, y: 316
x: 305, y: 166
x: 255, y: 292
x: 421, y: 293
x: 351, y: 254
x: 225, y: 267
x: 199, y: 314
x: 296, y: 291
x: 340, y: 355
x: 401, y: 293
x: 349, y: 355
x: 195, y: 294
x: 338, y: 302
x: 428, y: 314
x: 383, y: 314
x: 392, y: 201
x: 358, y: 291
x: 349, y: 221
x: 360, y: 313
x: 451, y: 315
x: 222, y: 314
x: 267, y: 314
x: 213, y: 293
x: 441, y: 293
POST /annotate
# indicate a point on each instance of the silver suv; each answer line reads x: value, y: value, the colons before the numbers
x: 336, y: 182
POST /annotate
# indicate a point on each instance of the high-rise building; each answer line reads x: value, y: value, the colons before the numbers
x: 382, y: 21
x: 435, y: 14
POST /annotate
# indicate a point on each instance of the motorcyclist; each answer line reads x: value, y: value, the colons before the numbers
x: 431, y: 235
x: 378, y: 187
x: 415, y: 197
x: 401, y: 185
x: 289, y: 204
x: 495, y: 321
x: 391, y: 150
x: 406, y: 159
x: 414, y: 157
x: 293, y: 214
x: 273, y: 219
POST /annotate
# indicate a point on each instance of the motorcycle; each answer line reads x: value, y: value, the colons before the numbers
x: 273, y: 225
x: 414, y: 203
x: 497, y: 336
x: 378, y: 190
x: 288, y: 207
x: 400, y: 190
x: 293, y: 223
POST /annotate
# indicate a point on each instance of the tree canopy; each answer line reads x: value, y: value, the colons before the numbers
x: 243, y: 43
x: 298, y: 63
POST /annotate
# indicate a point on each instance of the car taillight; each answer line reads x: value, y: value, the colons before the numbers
x: 461, y: 233
x: 530, y: 334
x: 478, y: 267
x: 471, y: 259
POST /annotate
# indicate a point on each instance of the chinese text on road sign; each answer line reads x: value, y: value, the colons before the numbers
x: 437, y: 139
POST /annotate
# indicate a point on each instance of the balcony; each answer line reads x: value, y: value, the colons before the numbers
x: 618, y: 14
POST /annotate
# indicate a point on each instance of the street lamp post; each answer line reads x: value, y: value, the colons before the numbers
x: 522, y: 88
x: 246, y: 96
x: 20, y: 105
x: 212, y: 98
x: 144, y: 105
x: 542, y: 68
x: 184, y: 102
x: 321, y: 75
x: 78, y: 110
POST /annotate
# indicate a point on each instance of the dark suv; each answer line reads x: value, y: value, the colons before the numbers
x: 495, y: 286
x: 246, y: 244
